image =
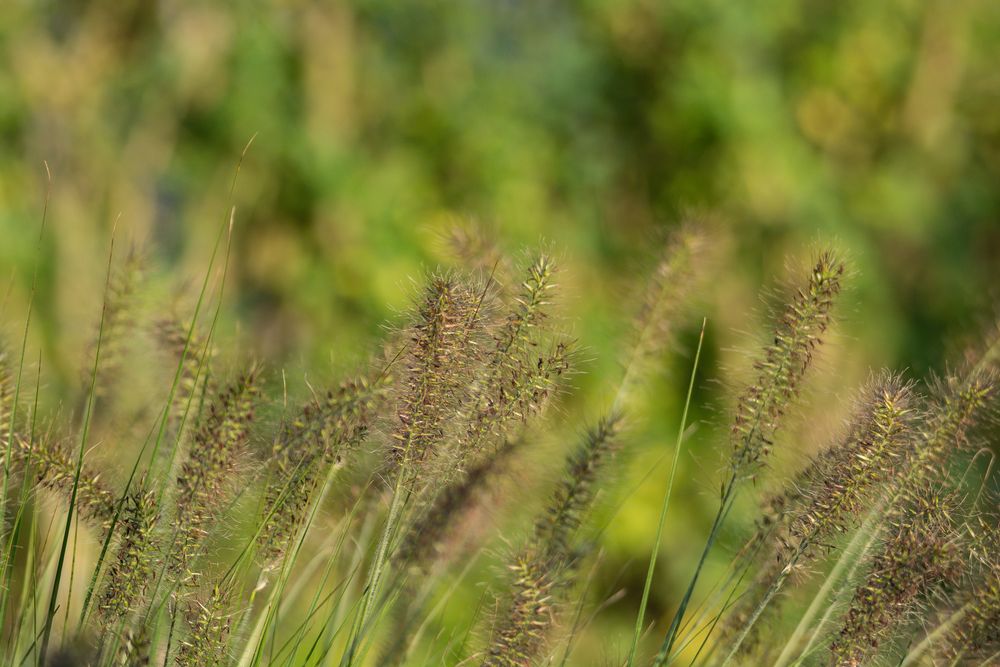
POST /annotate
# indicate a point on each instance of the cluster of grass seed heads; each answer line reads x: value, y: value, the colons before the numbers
x: 829, y: 496
x: 922, y: 553
x: 976, y: 635
x: 848, y: 477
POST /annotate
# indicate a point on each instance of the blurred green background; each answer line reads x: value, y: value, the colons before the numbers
x: 590, y: 127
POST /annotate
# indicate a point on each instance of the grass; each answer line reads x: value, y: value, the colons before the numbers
x: 245, y: 529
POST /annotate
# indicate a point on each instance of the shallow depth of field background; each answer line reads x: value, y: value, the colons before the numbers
x: 590, y: 127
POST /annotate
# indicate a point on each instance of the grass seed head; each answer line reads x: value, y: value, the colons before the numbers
x: 783, y: 365
x: 132, y: 567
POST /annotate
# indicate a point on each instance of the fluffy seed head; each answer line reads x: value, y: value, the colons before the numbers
x: 784, y: 363
x: 55, y: 468
x: 120, y: 309
x: 667, y: 291
x: 520, y: 636
x: 132, y: 567
x: 206, y: 476
x: 842, y: 482
x: 208, y: 624
x: 959, y: 402
x: 443, y: 347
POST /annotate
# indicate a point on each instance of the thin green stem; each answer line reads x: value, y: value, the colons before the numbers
x: 640, y: 618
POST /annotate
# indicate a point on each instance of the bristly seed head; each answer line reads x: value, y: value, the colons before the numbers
x: 130, y: 571
x: 205, y: 478
x: 784, y: 363
x: 546, y: 563
x: 208, y: 623
x: 443, y: 347
x: 844, y: 478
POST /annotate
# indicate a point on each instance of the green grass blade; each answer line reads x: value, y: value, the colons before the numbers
x: 641, y: 616
x: 84, y: 434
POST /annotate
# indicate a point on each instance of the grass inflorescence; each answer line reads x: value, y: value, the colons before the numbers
x: 252, y: 519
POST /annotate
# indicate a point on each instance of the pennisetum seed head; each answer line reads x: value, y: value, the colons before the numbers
x: 545, y: 564
x: 208, y: 624
x: 976, y: 634
x: 783, y: 365
x: 958, y: 403
x: 521, y: 634
x: 575, y: 492
x: 120, y: 310
x: 326, y: 431
x: 440, y: 519
x: 187, y: 349
x: 922, y: 554
x: 6, y: 397
x: 847, y: 477
x: 130, y: 571
x: 54, y: 467
x: 206, y: 476
x: 667, y: 291
x: 476, y: 248
x: 828, y: 497
x: 443, y: 351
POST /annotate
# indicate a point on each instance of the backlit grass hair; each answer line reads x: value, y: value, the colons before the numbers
x: 327, y: 430
x: 783, y: 364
